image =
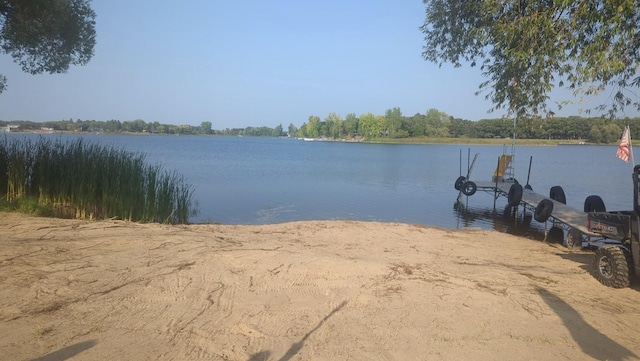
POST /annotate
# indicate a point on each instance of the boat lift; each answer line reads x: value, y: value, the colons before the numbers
x: 545, y: 209
x: 552, y: 208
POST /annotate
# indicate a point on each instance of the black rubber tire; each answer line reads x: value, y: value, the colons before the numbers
x: 543, y: 210
x: 555, y: 235
x: 460, y: 182
x: 574, y: 239
x: 557, y: 194
x: 469, y: 189
x: 611, y: 266
x: 515, y: 195
x: 594, y: 204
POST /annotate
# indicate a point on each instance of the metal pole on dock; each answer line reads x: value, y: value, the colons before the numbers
x: 495, y: 190
x: 529, y: 172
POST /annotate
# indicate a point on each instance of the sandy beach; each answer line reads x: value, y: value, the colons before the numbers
x: 315, y: 290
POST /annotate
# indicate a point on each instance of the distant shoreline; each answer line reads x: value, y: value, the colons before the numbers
x: 422, y: 140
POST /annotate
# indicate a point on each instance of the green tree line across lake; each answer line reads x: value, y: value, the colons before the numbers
x: 393, y: 125
x: 436, y: 124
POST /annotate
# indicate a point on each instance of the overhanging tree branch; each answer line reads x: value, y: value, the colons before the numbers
x: 47, y: 36
x: 583, y: 45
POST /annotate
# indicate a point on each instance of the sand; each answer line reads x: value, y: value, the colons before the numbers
x: 334, y: 290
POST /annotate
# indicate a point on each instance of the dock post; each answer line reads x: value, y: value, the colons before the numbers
x: 495, y: 189
x: 469, y: 169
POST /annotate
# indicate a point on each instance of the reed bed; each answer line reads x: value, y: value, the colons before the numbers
x: 88, y: 180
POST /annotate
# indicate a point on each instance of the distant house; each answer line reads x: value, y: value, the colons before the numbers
x: 9, y: 128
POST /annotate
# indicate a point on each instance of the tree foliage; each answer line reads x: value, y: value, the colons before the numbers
x: 434, y: 124
x: 525, y: 48
x: 47, y: 35
x: 205, y: 127
x: 393, y: 121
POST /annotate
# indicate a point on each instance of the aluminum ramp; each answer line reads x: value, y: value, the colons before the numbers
x: 561, y: 213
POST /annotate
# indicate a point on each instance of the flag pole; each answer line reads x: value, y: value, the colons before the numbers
x: 633, y: 161
x: 625, y: 151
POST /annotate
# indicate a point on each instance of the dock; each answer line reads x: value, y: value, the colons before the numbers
x: 550, y: 208
x: 568, y: 216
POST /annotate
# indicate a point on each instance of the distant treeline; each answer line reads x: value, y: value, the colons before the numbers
x: 392, y: 124
x: 139, y: 126
x: 436, y: 124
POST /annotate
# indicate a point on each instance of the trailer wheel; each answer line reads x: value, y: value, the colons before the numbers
x: 574, y: 239
x: 515, y: 195
x: 469, y: 189
x: 555, y: 235
x: 557, y: 194
x: 594, y: 204
x: 543, y: 210
x: 611, y: 266
x: 460, y: 182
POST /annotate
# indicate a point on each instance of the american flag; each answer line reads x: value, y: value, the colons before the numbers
x: 624, y: 152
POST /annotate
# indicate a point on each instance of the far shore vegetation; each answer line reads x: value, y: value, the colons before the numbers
x: 80, y: 179
x: 393, y: 127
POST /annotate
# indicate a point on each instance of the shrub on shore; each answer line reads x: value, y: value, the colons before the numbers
x: 88, y: 180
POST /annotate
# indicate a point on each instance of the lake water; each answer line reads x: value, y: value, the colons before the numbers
x: 244, y: 180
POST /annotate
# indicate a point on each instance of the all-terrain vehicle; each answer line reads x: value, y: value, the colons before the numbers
x: 617, y: 257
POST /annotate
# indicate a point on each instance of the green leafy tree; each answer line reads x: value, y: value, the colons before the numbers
x: 293, y: 130
x: 393, y: 120
x: 525, y: 48
x: 604, y: 132
x: 351, y: 125
x: 415, y: 125
x: 205, y: 127
x: 47, y: 35
x: 313, y: 127
x: 461, y: 128
x: 302, y: 132
x: 135, y: 126
x: 371, y: 126
x: 578, y: 128
x: 277, y: 131
x: 335, y: 125
x: 437, y: 123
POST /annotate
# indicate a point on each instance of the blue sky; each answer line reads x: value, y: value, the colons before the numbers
x: 249, y: 63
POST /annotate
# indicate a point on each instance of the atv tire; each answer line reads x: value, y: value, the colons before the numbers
x: 594, y: 204
x: 460, y: 182
x: 515, y: 195
x: 611, y: 266
x: 543, y: 210
x: 555, y: 235
x: 557, y: 194
x: 574, y: 239
x: 469, y: 188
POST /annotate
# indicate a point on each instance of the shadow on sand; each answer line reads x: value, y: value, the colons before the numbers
x: 591, y: 341
x: 519, y: 223
x: 67, y: 352
x: 296, y: 347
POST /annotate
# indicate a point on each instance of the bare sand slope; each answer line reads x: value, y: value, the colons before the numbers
x: 113, y: 290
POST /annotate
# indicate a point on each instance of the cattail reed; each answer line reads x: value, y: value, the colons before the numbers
x: 88, y: 180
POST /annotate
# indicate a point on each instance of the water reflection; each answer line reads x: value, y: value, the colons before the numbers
x: 512, y: 220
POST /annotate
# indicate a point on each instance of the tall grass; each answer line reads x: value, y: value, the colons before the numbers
x: 89, y: 180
